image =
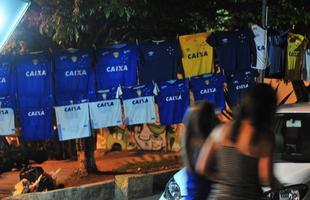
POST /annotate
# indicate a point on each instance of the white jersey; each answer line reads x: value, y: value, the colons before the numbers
x: 105, y: 113
x: 140, y: 110
x: 260, y: 40
x: 73, y: 121
x: 7, y: 123
x: 306, y: 66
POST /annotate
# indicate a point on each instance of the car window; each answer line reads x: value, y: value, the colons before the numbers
x: 293, y: 137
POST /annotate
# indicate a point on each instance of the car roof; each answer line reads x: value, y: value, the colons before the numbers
x: 294, y: 108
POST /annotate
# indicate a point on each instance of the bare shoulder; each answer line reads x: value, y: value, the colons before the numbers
x: 220, y: 132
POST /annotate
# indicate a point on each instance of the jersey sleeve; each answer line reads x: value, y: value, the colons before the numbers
x: 212, y: 40
x: 253, y: 52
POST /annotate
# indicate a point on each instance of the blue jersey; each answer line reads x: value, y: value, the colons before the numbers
x: 209, y: 87
x: 36, y: 123
x: 117, y: 65
x: 238, y: 84
x: 73, y: 121
x: 7, y: 123
x: 159, y: 61
x: 234, y: 49
x: 173, y: 100
x: 7, y: 77
x: 34, y: 80
x: 107, y: 110
x: 139, y: 104
x: 74, y: 76
x: 277, y: 42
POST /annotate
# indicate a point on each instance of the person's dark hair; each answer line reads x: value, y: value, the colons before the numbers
x: 199, y: 122
x: 258, y: 105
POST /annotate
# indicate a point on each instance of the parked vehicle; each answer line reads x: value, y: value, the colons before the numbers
x: 292, y: 158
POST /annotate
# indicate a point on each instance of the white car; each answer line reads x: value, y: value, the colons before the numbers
x: 292, y: 158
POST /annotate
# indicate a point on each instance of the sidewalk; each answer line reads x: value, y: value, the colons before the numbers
x: 106, y: 165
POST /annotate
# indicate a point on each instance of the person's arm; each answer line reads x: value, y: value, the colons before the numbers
x: 205, y: 158
x: 266, y: 174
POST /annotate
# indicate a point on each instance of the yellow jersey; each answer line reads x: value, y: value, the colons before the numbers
x: 197, y: 54
x: 296, y: 47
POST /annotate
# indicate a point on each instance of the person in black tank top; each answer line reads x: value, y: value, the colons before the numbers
x: 242, y: 149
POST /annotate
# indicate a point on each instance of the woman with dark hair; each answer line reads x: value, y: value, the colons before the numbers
x: 243, y: 148
x: 199, y: 122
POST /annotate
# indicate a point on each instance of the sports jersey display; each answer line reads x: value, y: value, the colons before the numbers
x: 117, y: 65
x: 159, y: 61
x: 107, y: 110
x: 36, y: 123
x: 7, y: 123
x: 173, y: 100
x: 296, y: 47
x: 7, y: 77
x: 306, y: 66
x: 34, y: 79
x: 277, y: 42
x: 238, y: 84
x: 234, y: 49
x: 139, y: 104
x: 260, y: 40
x: 209, y: 87
x: 73, y: 121
x: 74, y: 75
x: 197, y: 54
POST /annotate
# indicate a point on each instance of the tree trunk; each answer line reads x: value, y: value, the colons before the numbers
x: 86, y: 155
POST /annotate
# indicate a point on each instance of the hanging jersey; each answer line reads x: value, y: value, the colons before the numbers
x: 139, y: 104
x: 74, y: 75
x: 107, y: 110
x: 34, y: 80
x: 7, y: 77
x: 173, y: 100
x: 7, y: 123
x: 36, y: 123
x: 306, y: 66
x: 260, y: 39
x: 117, y: 65
x: 197, y: 54
x: 73, y: 121
x: 209, y: 87
x: 296, y: 47
x: 238, y: 84
x: 277, y: 42
x: 159, y: 61
x: 234, y: 49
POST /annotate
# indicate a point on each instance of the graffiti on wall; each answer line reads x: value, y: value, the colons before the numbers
x: 150, y: 137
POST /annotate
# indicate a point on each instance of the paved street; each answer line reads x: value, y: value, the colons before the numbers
x: 105, y: 163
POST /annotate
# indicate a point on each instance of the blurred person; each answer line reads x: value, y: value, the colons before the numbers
x: 199, y: 122
x: 242, y: 149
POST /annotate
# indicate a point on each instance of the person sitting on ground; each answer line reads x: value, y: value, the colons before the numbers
x: 242, y: 149
x: 199, y: 122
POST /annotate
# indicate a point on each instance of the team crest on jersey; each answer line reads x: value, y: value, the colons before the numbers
x: 74, y: 58
x: 104, y: 96
x: 35, y: 61
x: 139, y: 92
x: 116, y: 54
x: 207, y: 82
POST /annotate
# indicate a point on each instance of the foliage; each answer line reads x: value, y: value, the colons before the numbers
x: 83, y: 23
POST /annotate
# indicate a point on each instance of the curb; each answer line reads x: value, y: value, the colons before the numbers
x: 125, y: 187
